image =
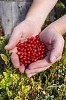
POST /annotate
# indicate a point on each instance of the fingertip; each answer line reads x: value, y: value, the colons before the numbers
x: 52, y: 59
x: 16, y: 66
x: 22, y: 69
x: 29, y: 76
x: 15, y: 59
x: 9, y: 47
x: 27, y: 71
x: 6, y: 47
x: 11, y: 44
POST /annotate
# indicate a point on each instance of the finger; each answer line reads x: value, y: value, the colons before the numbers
x: 14, y: 58
x: 32, y: 72
x: 59, y: 58
x: 22, y: 69
x: 40, y: 63
x: 56, y: 50
x: 49, y: 46
x: 13, y: 40
x: 29, y: 75
x: 37, y: 70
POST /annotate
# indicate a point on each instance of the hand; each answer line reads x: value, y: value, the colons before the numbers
x: 24, y: 30
x: 55, y: 43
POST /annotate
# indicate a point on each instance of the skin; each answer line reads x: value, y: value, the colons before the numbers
x: 60, y: 25
x: 23, y: 30
x: 40, y: 10
x: 52, y: 37
x: 31, y: 26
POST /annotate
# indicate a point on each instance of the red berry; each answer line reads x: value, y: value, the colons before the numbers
x: 20, y: 63
x: 25, y: 61
x: 22, y: 44
x: 35, y: 51
x: 20, y: 56
x: 24, y: 58
x: 28, y: 61
x: 31, y: 50
x: 39, y: 53
x: 42, y: 56
x: 28, y: 58
x: 25, y: 65
x: 18, y: 53
x: 24, y: 50
x: 28, y: 52
x: 25, y: 53
x: 18, y: 48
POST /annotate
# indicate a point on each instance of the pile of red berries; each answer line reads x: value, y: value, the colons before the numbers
x: 31, y: 50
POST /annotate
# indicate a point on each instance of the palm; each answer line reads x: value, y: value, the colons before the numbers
x: 54, y: 42
x: 21, y: 32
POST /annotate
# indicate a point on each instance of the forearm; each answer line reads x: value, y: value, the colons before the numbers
x: 40, y: 10
x: 60, y: 24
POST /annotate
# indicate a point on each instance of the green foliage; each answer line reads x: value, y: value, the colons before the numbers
x: 47, y: 85
x: 60, y: 9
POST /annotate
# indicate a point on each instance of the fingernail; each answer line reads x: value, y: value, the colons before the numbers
x: 53, y: 59
x: 6, y: 46
x: 29, y: 75
x: 21, y: 69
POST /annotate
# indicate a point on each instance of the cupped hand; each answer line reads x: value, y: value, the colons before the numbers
x: 21, y: 32
x: 55, y: 43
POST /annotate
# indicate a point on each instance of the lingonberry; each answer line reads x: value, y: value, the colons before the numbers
x: 28, y: 61
x: 18, y: 53
x: 25, y: 53
x: 31, y: 50
x: 35, y: 51
x: 20, y: 56
x: 20, y: 63
x: 28, y: 58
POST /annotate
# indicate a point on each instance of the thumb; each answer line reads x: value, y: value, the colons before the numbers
x: 13, y: 40
x: 57, y: 48
x: 55, y: 53
x: 10, y: 45
x: 53, y: 56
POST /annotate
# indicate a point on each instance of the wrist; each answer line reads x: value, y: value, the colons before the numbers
x: 34, y: 22
x: 33, y: 28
